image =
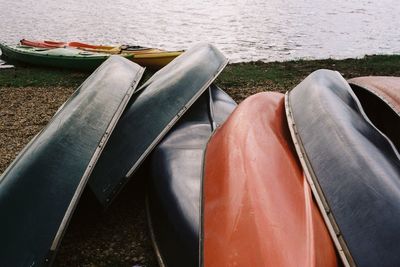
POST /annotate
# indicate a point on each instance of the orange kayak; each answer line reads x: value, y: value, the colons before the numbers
x: 90, y: 47
x: 258, y: 208
x: 56, y: 44
x: 42, y: 44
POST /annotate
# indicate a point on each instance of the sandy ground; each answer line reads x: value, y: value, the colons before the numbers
x: 115, y: 237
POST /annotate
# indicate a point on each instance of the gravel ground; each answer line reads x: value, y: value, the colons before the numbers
x: 115, y: 237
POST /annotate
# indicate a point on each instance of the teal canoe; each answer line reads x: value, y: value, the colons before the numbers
x: 65, y: 58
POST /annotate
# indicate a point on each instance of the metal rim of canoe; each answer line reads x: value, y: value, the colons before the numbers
x: 171, y: 123
x: 213, y: 127
x: 72, y: 201
x: 329, y: 219
x: 93, y: 160
x: 324, y: 207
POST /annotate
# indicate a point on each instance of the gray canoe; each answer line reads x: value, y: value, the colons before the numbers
x: 176, y: 167
x: 352, y: 165
x: 40, y: 189
x: 154, y: 109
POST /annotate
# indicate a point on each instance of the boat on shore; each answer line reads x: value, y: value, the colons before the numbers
x: 154, y: 109
x: 176, y: 167
x: 352, y: 162
x: 63, y: 58
x: 257, y: 207
x: 386, y: 88
x: 152, y: 58
x: 84, y: 46
x: 41, y: 188
x: 380, y: 98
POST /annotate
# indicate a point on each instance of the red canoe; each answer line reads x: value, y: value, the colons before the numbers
x: 258, y: 209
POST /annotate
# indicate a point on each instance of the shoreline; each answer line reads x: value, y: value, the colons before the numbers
x: 118, y: 236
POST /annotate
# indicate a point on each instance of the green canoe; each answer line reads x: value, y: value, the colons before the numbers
x: 65, y: 58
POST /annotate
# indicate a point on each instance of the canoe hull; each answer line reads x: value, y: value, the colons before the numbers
x: 158, y: 105
x: 40, y: 189
x: 354, y: 167
x: 257, y: 206
x: 152, y: 58
x: 176, y: 174
x: 387, y: 88
x: 62, y: 58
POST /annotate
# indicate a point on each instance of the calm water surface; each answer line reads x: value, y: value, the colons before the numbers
x: 264, y: 30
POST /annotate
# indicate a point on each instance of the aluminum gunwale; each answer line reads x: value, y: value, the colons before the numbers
x: 202, y: 203
x: 30, y: 254
x: 342, y: 247
x: 175, y: 119
x: 160, y: 259
x: 95, y: 157
x: 165, y: 130
x: 14, y: 162
x: 317, y: 191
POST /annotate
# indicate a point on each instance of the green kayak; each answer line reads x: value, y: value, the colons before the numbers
x: 65, y: 58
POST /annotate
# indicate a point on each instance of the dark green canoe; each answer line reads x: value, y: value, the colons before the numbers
x: 343, y: 137
x: 65, y: 58
x: 154, y: 109
x: 40, y: 189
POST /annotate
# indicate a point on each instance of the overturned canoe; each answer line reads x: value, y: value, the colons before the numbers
x: 258, y: 209
x: 176, y: 175
x: 154, y: 109
x: 387, y: 88
x: 68, y: 58
x: 40, y: 189
x: 353, y: 166
x: 380, y: 98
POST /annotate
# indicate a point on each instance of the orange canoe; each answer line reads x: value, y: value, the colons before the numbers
x: 258, y: 209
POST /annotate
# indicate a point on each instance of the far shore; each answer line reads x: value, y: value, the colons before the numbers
x: 30, y: 96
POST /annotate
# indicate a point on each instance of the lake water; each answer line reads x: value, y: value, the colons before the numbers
x: 264, y: 30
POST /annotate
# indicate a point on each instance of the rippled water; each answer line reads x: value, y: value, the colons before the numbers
x: 245, y: 30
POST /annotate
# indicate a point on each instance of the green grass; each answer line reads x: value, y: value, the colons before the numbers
x: 40, y: 77
x: 288, y: 73
x: 281, y: 74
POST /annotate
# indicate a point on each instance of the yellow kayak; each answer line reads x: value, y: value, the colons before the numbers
x: 153, y: 60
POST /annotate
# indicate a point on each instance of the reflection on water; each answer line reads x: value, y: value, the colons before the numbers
x: 245, y: 30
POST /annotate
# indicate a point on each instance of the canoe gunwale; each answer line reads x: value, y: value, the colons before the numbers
x: 160, y: 259
x: 175, y: 119
x: 204, y: 62
x: 318, y: 194
x: 85, y: 177
x: 46, y: 254
x: 202, y: 202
